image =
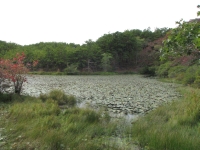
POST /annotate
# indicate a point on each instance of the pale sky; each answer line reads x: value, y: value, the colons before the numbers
x: 76, y: 21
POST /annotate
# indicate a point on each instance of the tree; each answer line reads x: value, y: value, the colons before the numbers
x: 14, y: 70
x: 105, y: 61
x: 122, y: 47
x: 181, y: 41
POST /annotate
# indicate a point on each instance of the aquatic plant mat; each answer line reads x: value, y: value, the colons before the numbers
x: 120, y: 94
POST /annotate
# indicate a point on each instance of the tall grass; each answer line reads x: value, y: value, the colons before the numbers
x: 60, y: 97
x: 172, y: 127
x: 37, y: 124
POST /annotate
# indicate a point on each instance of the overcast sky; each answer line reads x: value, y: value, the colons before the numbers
x: 75, y: 21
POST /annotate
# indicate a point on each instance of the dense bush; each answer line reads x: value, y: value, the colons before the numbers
x: 163, y: 69
x: 189, y: 76
x: 197, y: 82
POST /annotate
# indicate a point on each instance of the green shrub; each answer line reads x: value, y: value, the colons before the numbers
x: 197, y: 82
x: 188, y: 79
x: 162, y: 70
x: 180, y: 77
x: 174, y: 71
x: 197, y: 77
x: 71, y: 69
x: 148, y: 70
x: 197, y: 71
x: 144, y: 70
x: 189, y: 76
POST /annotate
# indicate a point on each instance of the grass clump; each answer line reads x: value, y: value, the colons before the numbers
x: 60, y: 97
x: 172, y: 127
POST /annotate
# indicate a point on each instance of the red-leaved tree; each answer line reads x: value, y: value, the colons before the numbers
x: 15, y: 71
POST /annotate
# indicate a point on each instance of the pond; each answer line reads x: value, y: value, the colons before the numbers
x: 120, y: 95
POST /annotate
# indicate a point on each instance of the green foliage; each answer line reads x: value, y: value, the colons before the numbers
x: 189, y: 76
x: 106, y: 62
x: 71, y: 69
x: 150, y: 71
x: 175, y: 71
x: 163, y: 69
x: 197, y: 81
x: 10, y: 48
x: 60, y: 97
x: 183, y: 40
x: 122, y: 46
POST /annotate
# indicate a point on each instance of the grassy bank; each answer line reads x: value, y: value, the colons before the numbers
x: 39, y: 123
x: 172, y: 127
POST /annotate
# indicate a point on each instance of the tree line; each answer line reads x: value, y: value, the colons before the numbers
x: 110, y: 52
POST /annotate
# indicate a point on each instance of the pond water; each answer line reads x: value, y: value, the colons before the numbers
x: 120, y: 95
